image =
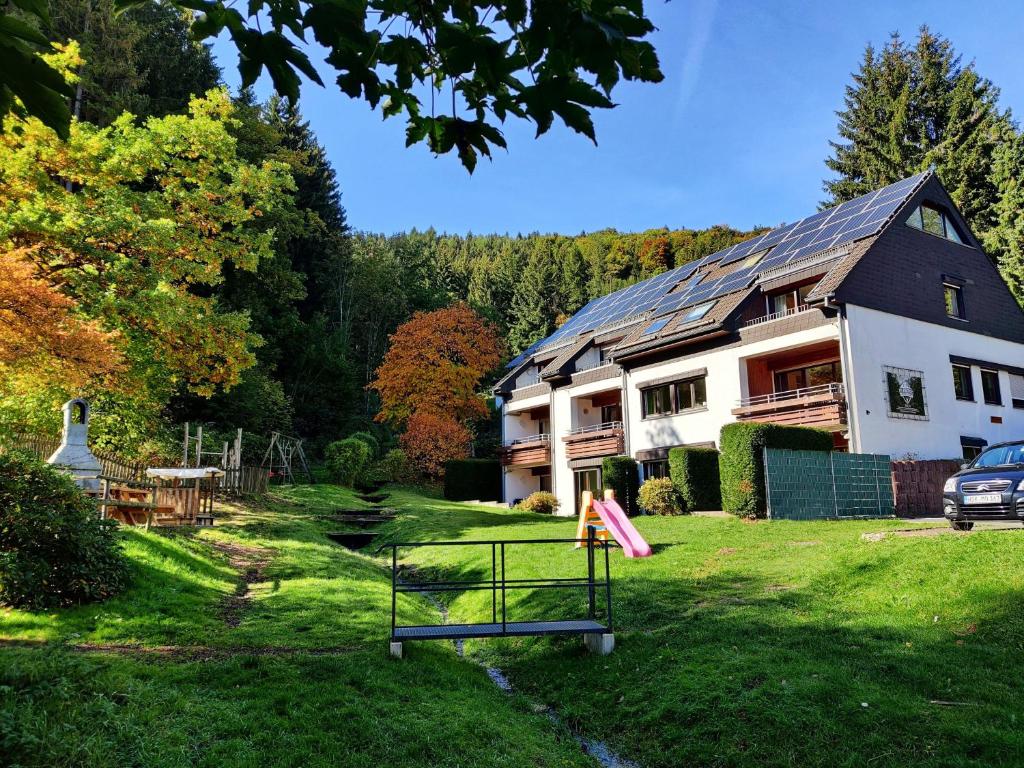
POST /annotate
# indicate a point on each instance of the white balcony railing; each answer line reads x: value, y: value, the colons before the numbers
x: 543, y: 439
x: 777, y: 315
x: 595, y: 428
x: 835, y: 390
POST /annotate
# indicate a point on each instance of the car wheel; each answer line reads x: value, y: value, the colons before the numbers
x: 961, y: 525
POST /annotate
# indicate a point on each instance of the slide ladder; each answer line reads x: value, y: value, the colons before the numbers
x: 610, y: 522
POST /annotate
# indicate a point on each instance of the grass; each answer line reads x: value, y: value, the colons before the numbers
x: 770, y: 644
x: 747, y: 644
x: 265, y: 692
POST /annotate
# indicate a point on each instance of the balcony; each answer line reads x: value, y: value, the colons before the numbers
x: 822, y: 406
x: 608, y: 439
x: 532, y: 451
x: 776, y: 315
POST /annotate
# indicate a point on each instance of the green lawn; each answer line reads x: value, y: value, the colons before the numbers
x: 737, y: 643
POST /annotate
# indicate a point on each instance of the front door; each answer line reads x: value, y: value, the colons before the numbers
x: 588, y: 480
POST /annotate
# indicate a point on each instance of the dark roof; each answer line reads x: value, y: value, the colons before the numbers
x: 738, y: 266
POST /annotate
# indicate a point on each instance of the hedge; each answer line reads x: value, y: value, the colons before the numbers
x: 620, y: 474
x: 347, y: 460
x: 694, y: 473
x: 472, y: 479
x: 741, y: 463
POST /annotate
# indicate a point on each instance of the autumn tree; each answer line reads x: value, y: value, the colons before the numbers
x: 41, y: 334
x: 434, y: 364
x: 432, y: 439
x: 134, y: 223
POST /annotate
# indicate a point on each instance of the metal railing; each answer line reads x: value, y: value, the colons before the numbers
x: 499, y: 585
x: 777, y: 315
x: 544, y: 438
x: 834, y: 389
x: 595, y: 428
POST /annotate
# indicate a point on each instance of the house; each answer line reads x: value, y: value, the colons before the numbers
x: 881, y: 320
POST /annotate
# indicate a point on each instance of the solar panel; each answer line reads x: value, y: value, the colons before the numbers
x: 667, y: 293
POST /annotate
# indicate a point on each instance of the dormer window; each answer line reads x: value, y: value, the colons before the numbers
x: 930, y: 219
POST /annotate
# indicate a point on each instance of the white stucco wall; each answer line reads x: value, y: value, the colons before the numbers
x: 877, y: 339
x: 726, y: 384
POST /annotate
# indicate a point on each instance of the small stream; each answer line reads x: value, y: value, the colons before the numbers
x: 598, y: 750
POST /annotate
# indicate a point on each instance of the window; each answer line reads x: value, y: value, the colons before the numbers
x: 971, y: 447
x: 962, y: 384
x: 610, y: 413
x: 656, y: 326
x: 1017, y: 390
x: 677, y: 397
x: 954, y: 299
x: 698, y: 312
x: 653, y: 469
x: 754, y: 258
x: 780, y: 303
x: 935, y: 222
x: 990, y: 387
x: 809, y: 376
x: 543, y: 426
x: 544, y: 483
x: 691, y: 394
x: 657, y: 400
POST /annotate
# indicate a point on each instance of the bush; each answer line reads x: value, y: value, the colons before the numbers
x: 371, y: 442
x: 466, y: 479
x: 54, y: 550
x: 741, y: 463
x: 694, y: 473
x: 658, y: 496
x: 620, y: 474
x: 394, y: 467
x: 347, y: 460
x: 541, y: 502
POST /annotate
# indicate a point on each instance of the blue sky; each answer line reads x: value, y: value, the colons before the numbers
x: 736, y: 134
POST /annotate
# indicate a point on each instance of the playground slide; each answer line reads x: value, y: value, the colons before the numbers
x: 621, y: 529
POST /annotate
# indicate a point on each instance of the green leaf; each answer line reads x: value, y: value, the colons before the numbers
x: 12, y: 27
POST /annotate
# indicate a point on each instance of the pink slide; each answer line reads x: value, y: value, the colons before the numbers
x: 621, y: 529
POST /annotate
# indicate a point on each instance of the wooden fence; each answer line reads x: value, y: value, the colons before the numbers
x: 244, y: 481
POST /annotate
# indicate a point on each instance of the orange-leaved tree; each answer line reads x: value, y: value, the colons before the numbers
x: 41, y: 334
x: 430, y: 439
x: 434, y: 363
x: 428, y: 382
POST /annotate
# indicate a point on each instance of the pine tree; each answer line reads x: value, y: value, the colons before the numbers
x: 533, y: 300
x: 909, y: 109
x: 1006, y: 238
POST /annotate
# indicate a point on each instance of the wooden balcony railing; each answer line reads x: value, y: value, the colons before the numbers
x: 820, y: 406
x: 608, y: 439
x: 532, y: 451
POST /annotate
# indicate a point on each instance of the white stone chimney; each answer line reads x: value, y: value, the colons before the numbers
x: 73, y: 453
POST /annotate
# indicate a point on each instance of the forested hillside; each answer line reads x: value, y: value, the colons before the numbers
x: 197, y: 250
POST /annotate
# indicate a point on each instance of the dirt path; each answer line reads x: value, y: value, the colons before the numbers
x: 250, y: 562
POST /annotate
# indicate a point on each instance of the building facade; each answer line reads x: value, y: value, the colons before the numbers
x: 881, y: 320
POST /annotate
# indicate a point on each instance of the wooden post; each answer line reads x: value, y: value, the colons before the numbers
x: 184, y: 457
x: 199, y: 445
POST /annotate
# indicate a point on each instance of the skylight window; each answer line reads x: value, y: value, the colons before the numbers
x: 754, y: 258
x: 656, y: 326
x: 935, y: 222
x: 697, y: 312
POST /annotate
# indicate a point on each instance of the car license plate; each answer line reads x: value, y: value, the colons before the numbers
x: 983, y: 498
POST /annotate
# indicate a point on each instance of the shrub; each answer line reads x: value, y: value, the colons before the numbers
x: 466, y: 479
x: 394, y: 467
x: 54, y: 550
x: 541, y: 502
x: 741, y: 463
x: 347, y: 460
x: 371, y: 442
x: 658, y: 496
x: 620, y: 474
x: 694, y: 474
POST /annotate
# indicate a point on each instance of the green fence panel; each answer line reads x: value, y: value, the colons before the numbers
x: 814, y: 485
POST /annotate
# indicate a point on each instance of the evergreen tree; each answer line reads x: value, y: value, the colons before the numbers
x: 1006, y: 238
x: 911, y: 108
